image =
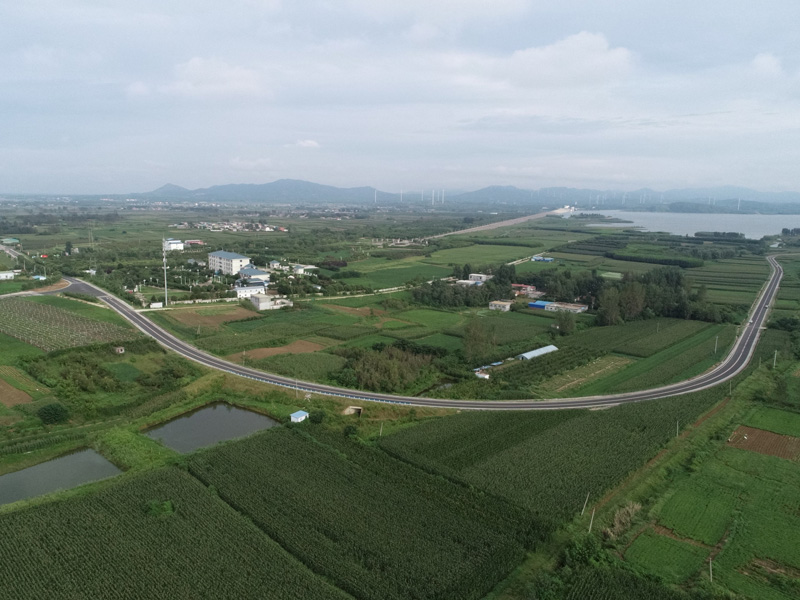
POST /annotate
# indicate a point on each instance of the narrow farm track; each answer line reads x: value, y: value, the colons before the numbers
x: 734, y: 363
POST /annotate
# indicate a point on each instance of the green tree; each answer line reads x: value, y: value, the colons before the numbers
x: 566, y: 322
x: 53, y: 413
x: 608, y: 313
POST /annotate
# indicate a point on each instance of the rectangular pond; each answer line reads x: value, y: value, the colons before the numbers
x: 208, y: 425
x: 60, y: 473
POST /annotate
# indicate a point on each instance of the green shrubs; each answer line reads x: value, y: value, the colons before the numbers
x: 51, y: 414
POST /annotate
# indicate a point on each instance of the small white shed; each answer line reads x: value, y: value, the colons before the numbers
x: 299, y: 416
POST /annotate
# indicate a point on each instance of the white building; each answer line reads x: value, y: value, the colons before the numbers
x: 566, y: 307
x: 479, y: 277
x: 229, y: 263
x: 245, y: 290
x: 299, y: 416
x: 501, y: 305
x: 172, y: 244
x: 4, y: 275
x: 266, y: 302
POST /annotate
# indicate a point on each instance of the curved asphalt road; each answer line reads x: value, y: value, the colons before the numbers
x: 734, y: 363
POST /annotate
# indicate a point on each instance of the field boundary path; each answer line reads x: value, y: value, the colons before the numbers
x: 736, y: 361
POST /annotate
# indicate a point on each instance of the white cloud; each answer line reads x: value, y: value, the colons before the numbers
x: 305, y: 144
x: 767, y: 64
x: 214, y: 77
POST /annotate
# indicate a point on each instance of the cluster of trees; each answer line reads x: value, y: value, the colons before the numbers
x: 566, y: 286
x: 384, y: 368
x: 444, y: 294
x: 662, y: 292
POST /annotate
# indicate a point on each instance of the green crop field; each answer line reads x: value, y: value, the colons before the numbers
x: 777, y: 421
x: 435, y: 319
x: 97, y: 312
x: 12, y: 349
x: 480, y: 254
x: 317, y: 366
x: 50, y: 327
x: 574, y: 452
x: 682, y: 360
x: 398, y: 276
x: 672, y: 560
x: 376, y: 527
x: 602, y: 582
x: 700, y: 512
x: 11, y: 287
x: 159, y: 535
x: 637, y: 338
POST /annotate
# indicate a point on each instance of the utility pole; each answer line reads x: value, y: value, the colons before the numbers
x: 775, y: 359
x: 585, y: 503
x: 592, y: 521
x: 710, y: 571
x: 677, y: 428
x: 380, y: 433
x: 716, y: 340
x: 164, y: 255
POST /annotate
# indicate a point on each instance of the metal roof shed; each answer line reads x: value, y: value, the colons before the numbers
x: 538, y: 304
x: 299, y: 416
x: 537, y: 352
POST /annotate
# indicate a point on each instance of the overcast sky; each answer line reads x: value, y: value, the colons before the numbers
x: 113, y: 97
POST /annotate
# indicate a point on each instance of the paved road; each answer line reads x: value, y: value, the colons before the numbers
x: 499, y: 224
x: 733, y: 364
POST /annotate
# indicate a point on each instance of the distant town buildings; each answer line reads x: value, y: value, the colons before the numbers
x: 520, y: 289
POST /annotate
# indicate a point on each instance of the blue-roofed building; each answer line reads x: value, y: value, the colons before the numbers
x: 229, y: 263
x: 541, y: 304
x: 299, y: 416
x: 252, y: 273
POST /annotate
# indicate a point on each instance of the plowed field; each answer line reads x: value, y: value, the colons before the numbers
x: 765, y: 442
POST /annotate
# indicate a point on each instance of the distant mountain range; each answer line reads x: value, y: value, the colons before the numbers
x: 293, y: 191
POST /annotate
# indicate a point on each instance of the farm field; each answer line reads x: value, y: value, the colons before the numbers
x: 51, y: 327
x: 380, y: 528
x: 679, y: 361
x: 575, y: 452
x: 777, y: 421
x: 106, y: 541
x: 672, y: 560
x: 10, y: 287
x: 765, y: 442
x: 481, y: 254
x: 746, y: 502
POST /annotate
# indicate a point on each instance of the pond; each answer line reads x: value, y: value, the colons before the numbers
x: 208, y: 425
x: 60, y: 473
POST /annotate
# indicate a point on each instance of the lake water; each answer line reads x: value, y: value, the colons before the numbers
x: 60, y: 473
x: 209, y: 425
x: 752, y: 226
